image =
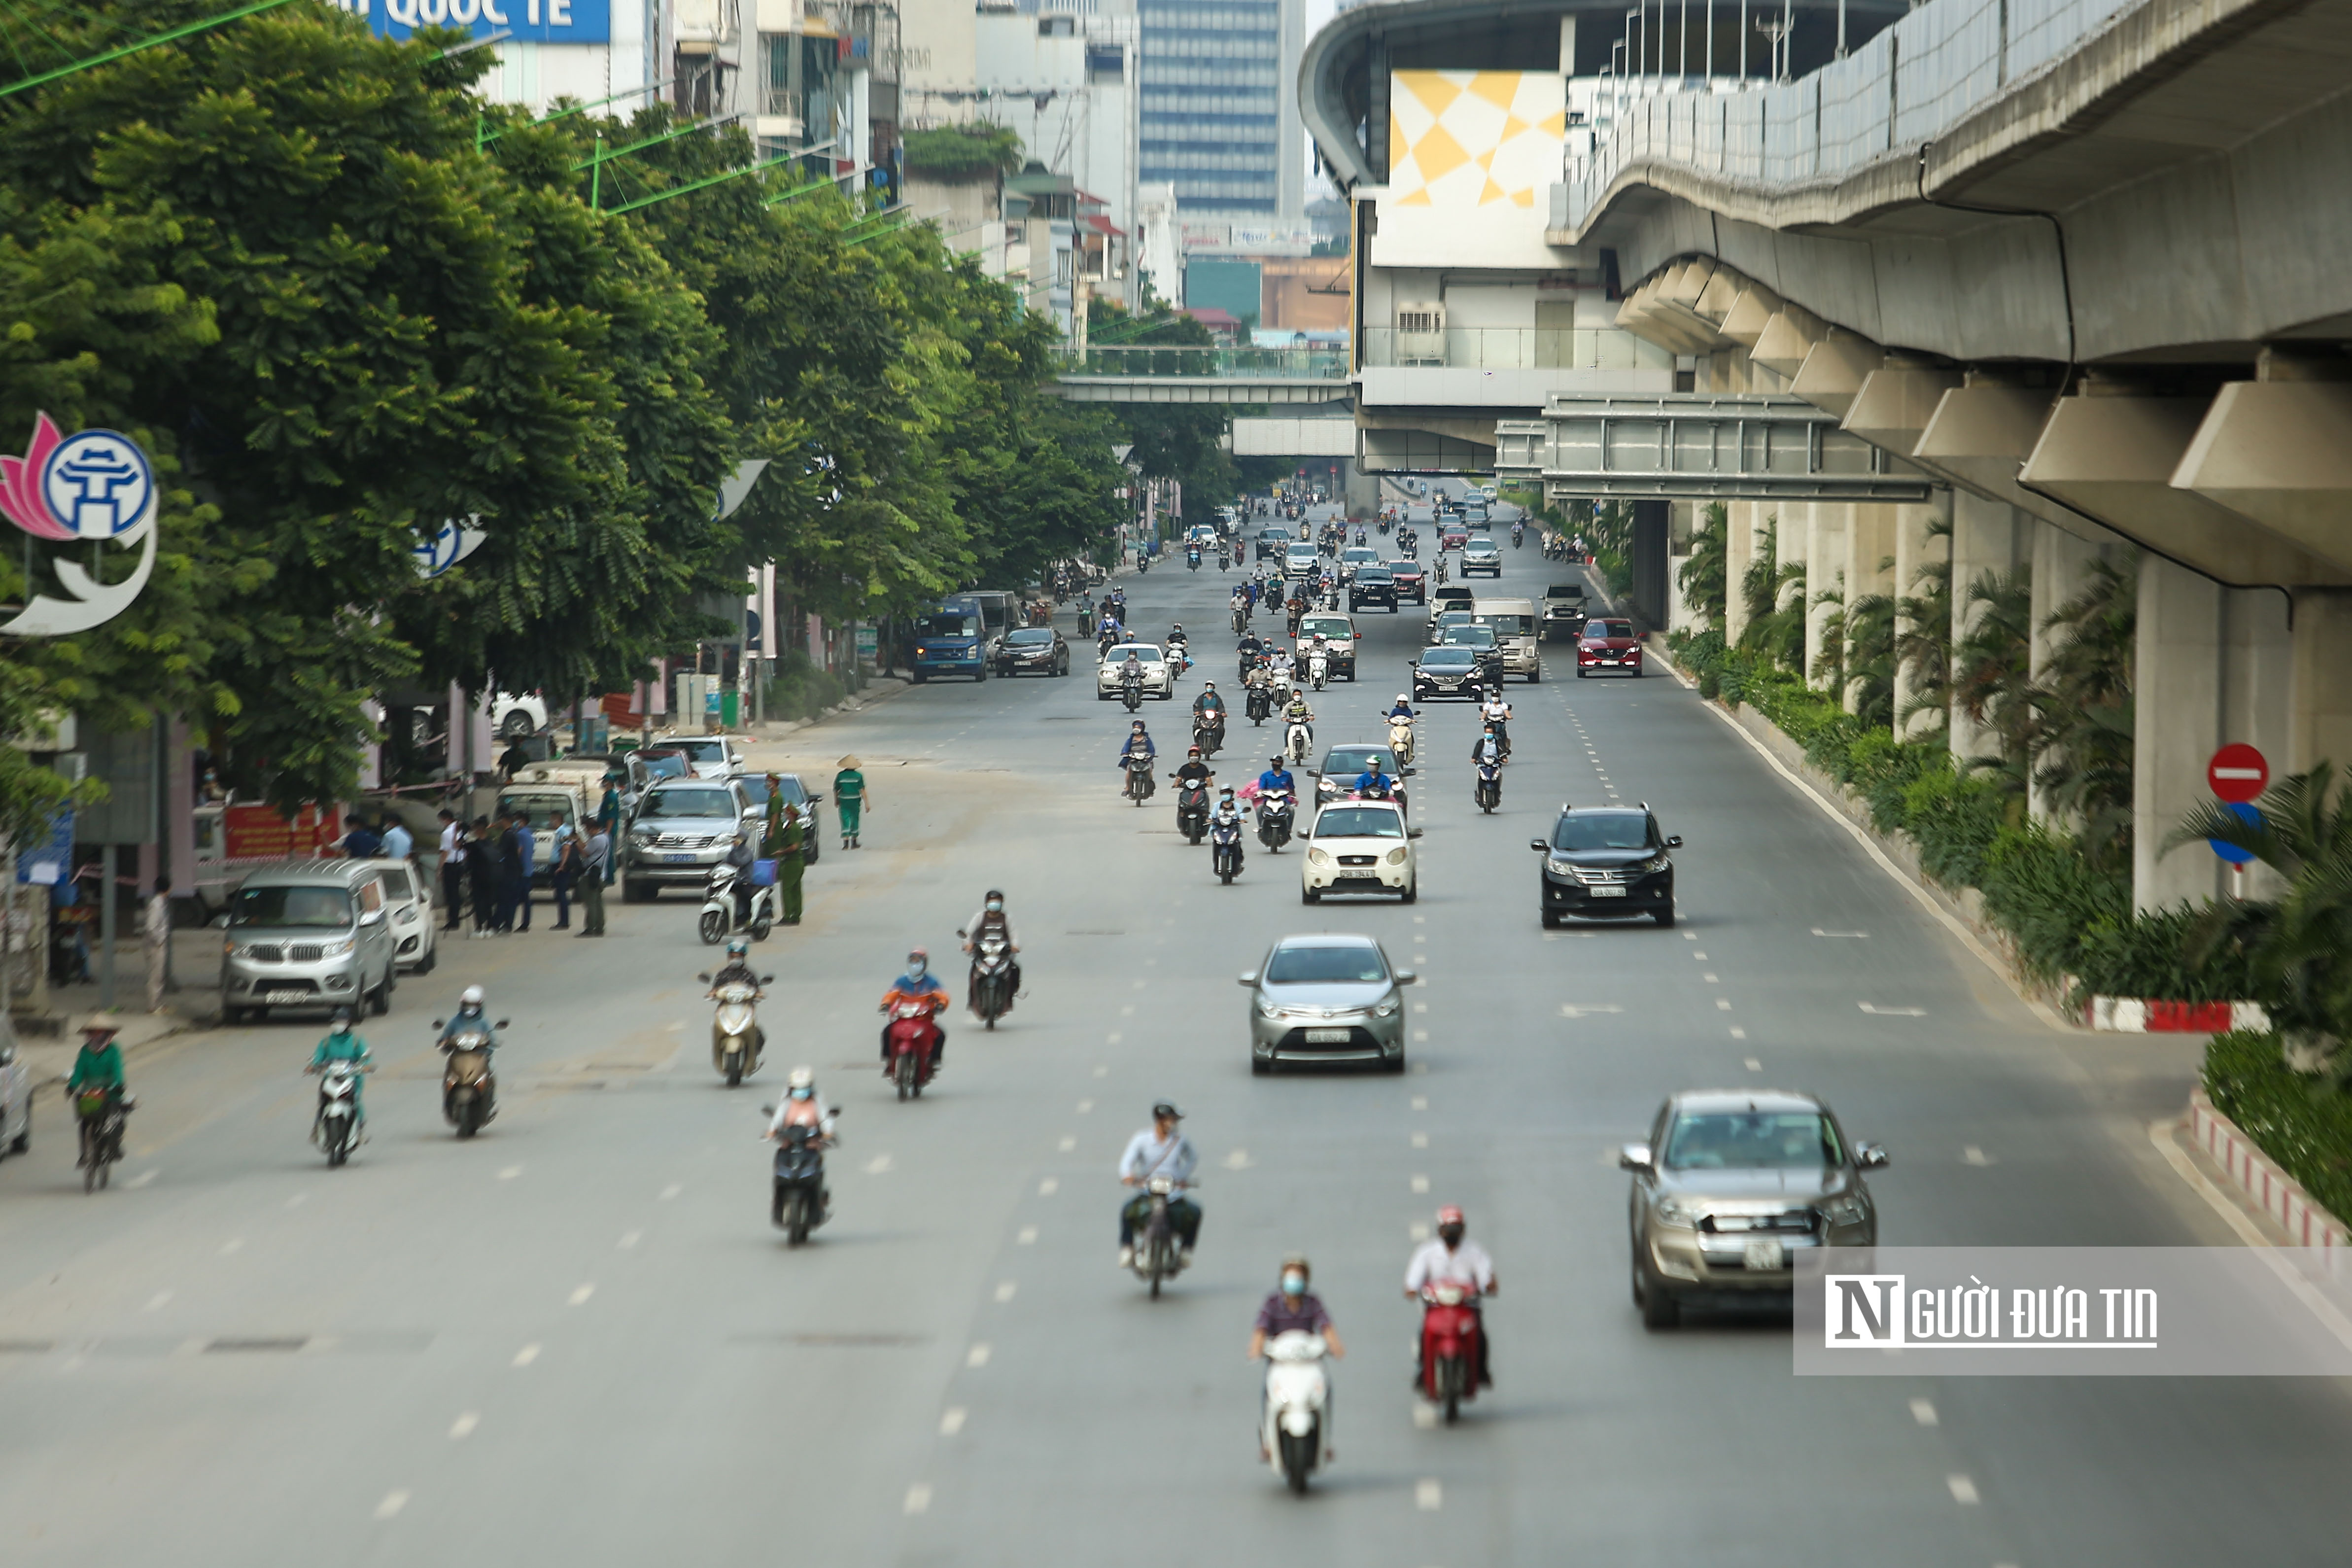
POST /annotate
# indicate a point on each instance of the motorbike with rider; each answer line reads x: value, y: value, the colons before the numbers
x: 1209, y: 720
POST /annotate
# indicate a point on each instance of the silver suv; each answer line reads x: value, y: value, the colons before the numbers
x: 681, y: 830
x: 309, y: 933
x: 1731, y: 1183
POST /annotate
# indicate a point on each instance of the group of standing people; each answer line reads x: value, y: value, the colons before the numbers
x: 494, y: 858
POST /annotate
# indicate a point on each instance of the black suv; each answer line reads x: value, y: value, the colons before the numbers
x: 1372, y: 586
x: 1606, y: 861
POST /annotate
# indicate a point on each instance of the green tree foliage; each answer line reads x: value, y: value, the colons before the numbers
x: 1773, y: 593
x: 1180, y: 441
x: 1992, y: 681
x: 1827, y: 669
x: 1702, y: 575
x: 1870, y: 657
x: 962, y: 151
x: 2084, y: 718
x: 1923, y: 644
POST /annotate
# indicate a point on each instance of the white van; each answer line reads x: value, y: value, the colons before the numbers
x: 1512, y: 622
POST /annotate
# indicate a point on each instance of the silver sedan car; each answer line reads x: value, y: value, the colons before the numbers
x: 1327, y: 999
x: 1731, y: 1185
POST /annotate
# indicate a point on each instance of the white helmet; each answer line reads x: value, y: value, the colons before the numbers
x: 472, y: 996
x: 802, y: 1078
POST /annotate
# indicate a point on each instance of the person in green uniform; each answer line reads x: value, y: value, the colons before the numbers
x: 97, y: 1072
x: 342, y: 1046
x: 849, y: 798
x: 790, y: 862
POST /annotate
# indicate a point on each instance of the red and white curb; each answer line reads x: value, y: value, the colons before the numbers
x: 2142, y: 1015
x: 2279, y: 1195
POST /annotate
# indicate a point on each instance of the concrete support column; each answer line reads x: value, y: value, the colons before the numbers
x: 1915, y: 548
x: 1684, y: 520
x: 1739, y: 553
x: 2320, y: 717
x: 1793, y: 537
x: 2061, y: 563
x: 1828, y: 544
x: 1871, y: 552
x: 1984, y: 539
x: 2177, y: 689
x: 1649, y: 593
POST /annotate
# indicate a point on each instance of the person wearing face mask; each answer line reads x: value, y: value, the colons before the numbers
x: 802, y: 1106
x: 991, y: 917
x: 1293, y: 1306
x: 917, y: 985
x: 1450, y: 1257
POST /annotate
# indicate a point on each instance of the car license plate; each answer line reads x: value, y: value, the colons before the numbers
x: 677, y: 860
x: 1606, y: 892
x: 1766, y: 1255
x: 1327, y: 1036
x: 293, y: 998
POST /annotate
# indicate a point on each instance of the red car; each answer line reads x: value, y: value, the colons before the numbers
x: 1455, y: 537
x: 1411, y: 582
x: 1609, y: 645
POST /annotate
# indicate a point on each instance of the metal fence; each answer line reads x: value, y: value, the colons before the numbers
x: 1906, y: 86
x: 1330, y: 363
x: 1513, y: 347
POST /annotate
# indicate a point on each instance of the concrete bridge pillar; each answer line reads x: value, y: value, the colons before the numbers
x: 1684, y: 520
x: 1871, y: 549
x: 1914, y: 547
x: 1793, y: 536
x: 2061, y: 564
x: 2320, y: 717
x: 1827, y: 569
x: 1745, y: 520
x: 1985, y: 538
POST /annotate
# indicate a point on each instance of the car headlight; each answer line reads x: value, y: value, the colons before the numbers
x: 1675, y: 1212
x: 1847, y: 1210
x: 1561, y: 867
x: 1268, y: 1010
x: 1654, y: 863
x: 237, y: 950
x: 1385, y: 1010
x: 1396, y: 857
x: 1318, y: 857
x: 643, y: 835
x: 337, y: 949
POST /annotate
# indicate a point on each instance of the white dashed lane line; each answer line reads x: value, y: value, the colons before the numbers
x: 977, y: 1357
x: 463, y: 1427
x: 393, y: 1502
x: 1923, y: 1411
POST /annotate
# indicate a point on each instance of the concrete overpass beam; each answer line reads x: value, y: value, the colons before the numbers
x: 2111, y: 456
x: 1895, y: 404
x: 1986, y: 538
x: 1786, y: 340
x: 2280, y: 452
x: 1832, y: 376
x: 1749, y: 314
x: 1715, y: 301
x: 1916, y: 545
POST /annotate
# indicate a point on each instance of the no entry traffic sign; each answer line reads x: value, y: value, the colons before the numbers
x: 2237, y: 774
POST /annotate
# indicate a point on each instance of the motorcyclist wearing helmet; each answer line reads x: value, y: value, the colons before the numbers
x: 1159, y: 1152
x: 991, y: 916
x: 1277, y: 779
x: 1176, y: 634
x: 739, y: 855
x: 1139, y: 744
x: 802, y: 1106
x: 1209, y: 704
x: 737, y: 970
x: 470, y: 1015
x: 917, y: 985
x: 1450, y: 1258
x: 1404, y: 709
x: 1194, y: 771
x: 341, y: 1044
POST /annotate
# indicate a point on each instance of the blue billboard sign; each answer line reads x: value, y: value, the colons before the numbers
x: 530, y: 21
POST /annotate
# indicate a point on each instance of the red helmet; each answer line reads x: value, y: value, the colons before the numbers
x: 1450, y: 1215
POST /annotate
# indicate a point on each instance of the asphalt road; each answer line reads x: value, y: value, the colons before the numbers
x: 575, y: 1339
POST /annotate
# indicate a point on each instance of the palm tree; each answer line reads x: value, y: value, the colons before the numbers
x: 2299, y: 949
x: 2081, y: 742
x: 1992, y: 666
x: 1829, y: 664
x: 1870, y: 656
x: 1776, y: 620
x: 1924, y: 647
x: 1703, y: 575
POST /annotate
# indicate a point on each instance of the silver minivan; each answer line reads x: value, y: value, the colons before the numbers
x: 1514, y: 624
x: 308, y: 933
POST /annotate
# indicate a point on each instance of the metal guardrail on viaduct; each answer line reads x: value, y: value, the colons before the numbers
x: 1247, y: 377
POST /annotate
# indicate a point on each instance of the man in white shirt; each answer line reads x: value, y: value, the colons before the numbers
x: 1159, y: 1151
x: 1450, y: 1257
x: 452, y: 869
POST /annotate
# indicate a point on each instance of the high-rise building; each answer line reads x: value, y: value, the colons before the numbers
x: 1220, y: 115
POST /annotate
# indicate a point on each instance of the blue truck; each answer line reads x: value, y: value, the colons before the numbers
x: 952, y: 640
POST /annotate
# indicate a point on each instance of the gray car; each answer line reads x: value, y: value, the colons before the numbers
x: 1731, y: 1186
x: 681, y: 830
x: 1327, y: 999
x: 797, y: 793
x: 308, y: 933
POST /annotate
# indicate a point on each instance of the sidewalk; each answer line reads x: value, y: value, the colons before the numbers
x: 195, y: 1004
x: 881, y: 689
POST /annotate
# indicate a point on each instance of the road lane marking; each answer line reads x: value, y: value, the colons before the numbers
x: 1027, y: 1236
x: 879, y: 1165
x: 1048, y: 1187
x: 1588, y: 1010
x: 918, y: 1498
x: 630, y: 1239
x: 393, y: 1503
x: 463, y: 1427
x: 952, y: 1420
x: 977, y: 1356
x: 231, y: 1244
x: 1972, y: 1155
x: 1418, y: 1230
x: 525, y: 1356
x: 156, y: 1304
x: 1723, y: 1002
x: 1738, y: 1033
x: 296, y: 1201
x: 511, y: 1172
x: 1126, y: 1012
x: 1853, y: 934
x: 1690, y: 936
x: 1754, y: 1065
x: 1421, y: 1140
x: 1110, y: 1039
x: 1104, y: 1072
x: 1086, y: 1107
x: 1238, y: 1159
x: 670, y: 1192
x: 1964, y: 1490
x: 143, y: 1177
x: 1421, y: 1006
x: 1700, y: 956
x: 1068, y: 1144
x: 1006, y: 1290
x: 580, y: 1293
x: 1710, y: 980
x: 1923, y: 1411
x: 1425, y: 1415
x: 1420, y: 1037
x: 1421, y: 1183
x: 1892, y: 1012
x: 1428, y: 1495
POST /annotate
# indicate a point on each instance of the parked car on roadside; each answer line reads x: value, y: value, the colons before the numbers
x: 308, y: 934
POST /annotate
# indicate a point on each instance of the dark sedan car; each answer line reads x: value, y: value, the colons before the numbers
x: 1032, y: 651
x: 1609, y: 862
x: 1411, y: 582
x: 1343, y: 765
x: 1372, y: 586
x: 1448, y: 672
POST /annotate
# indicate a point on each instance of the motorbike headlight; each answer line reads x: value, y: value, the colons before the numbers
x: 1675, y: 1212
x: 1396, y: 857
x: 1318, y: 857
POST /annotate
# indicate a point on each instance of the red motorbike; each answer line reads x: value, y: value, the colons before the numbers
x: 914, y: 1039
x: 1450, y: 1351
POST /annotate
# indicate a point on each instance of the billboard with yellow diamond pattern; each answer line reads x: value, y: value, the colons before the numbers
x: 1471, y: 154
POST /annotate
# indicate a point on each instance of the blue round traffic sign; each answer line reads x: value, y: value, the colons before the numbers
x: 2234, y: 854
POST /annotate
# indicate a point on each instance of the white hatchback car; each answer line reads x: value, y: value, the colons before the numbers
x: 1159, y: 675
x: 1360, y: 846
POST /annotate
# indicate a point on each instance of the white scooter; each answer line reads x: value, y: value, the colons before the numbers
x: 1318, y: 669
x: 717, y: 921
x: 1297, y: 1398
x: 338, y: 1132
x: 1401, y: 740
x: 736, y: 1037
x: 1298, y: 741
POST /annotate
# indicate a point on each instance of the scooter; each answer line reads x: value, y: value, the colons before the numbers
x: 1157, y: 1255
x: 1258, y: 703
x: 1297, y: 1398
x: 736, y: 1038
x: 1401, y: 740
x: 992, y: 977
x: 798, y: 1201
x: 337, y: 1128
x: 914, y: 1036
x: 1192, y: 811
x: 1225, y: 847
x: 1224, y: 562
x: 717, y: 921
x: 1209, y: 734
x: 1192, y: 559
x: 1518, y: 535
x: 1241, y: 620
x: 1319, y: 670
x: 1131, y: 691
x: 1488, y: 790
x: 1138, y: 777
x: 469, y: 1089
x: 1298, y: 741
x: 1276, y: 810
x: 1450, y: 1328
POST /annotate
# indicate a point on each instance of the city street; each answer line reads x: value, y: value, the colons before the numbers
x: 577, y: 1341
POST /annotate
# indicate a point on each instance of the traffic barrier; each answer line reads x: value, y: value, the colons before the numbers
x: 2143, y: 1015
x: 2280, y: 1196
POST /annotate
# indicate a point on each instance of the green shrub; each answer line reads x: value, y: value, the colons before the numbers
x: 2045, y: 894
x: 2304, y: 1124
x: 802, y: 689
x: 2143, y: 955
